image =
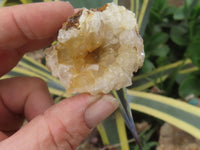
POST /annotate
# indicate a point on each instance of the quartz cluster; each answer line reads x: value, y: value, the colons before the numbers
x: 97, y: 50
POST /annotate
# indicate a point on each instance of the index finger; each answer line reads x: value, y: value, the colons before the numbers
x: 29, y: 27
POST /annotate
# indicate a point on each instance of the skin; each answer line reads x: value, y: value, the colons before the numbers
x: 62, y: 126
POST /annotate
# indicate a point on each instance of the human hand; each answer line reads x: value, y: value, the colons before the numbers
x: 62, y: 126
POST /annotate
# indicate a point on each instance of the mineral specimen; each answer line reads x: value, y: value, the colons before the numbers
x: 97, y: 50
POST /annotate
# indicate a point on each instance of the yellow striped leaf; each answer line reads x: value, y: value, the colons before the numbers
x: 177, y: 113
x: 26, y: 1
x: 141, y: 8
x: 148, y: 80
x: 2, y: 3
x: 34, y: 69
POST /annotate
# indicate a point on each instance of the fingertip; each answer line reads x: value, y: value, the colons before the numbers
x: 29, y: 22
x: 52, y: 16
x: 65, y: 7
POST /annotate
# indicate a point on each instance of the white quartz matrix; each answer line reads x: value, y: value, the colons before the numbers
x: 98, y: 50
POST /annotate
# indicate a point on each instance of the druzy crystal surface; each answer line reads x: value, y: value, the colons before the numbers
x: 98, y: 50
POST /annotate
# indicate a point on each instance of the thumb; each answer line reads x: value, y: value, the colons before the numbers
x: 64, y: 125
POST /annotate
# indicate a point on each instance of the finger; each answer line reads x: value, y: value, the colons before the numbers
x: 9, y: 58
x: 19, y: 97
x: 2, y: 136
x: 23, y: 23
x: 29, y: 27
x: 64, y: 125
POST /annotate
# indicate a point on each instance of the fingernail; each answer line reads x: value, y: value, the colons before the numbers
x: 100, y: 110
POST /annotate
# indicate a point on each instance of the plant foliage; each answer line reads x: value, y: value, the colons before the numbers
x: 171, y: 42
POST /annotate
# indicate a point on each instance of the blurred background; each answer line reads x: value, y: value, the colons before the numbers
x: 164, y: 97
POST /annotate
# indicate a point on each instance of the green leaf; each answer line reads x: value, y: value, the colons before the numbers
x: 169, y: 83
x: 113, y: 131
x: 178, y: 35
x: 188, y: 3
x: 155, y: 17
x: 126, y: 113
x: 181, y: 77
x: 10, y: 2
x: 175, y: 112
x: 88, y: 3
x: 170, y: 10
x: 190, y: 86
x: 194, y: 53
x: 36, y: 1
x: 194, y: 30
x: 195, y: 11
x: 144, y: 81
x: 189, y: 7
x: 147, y: 66
x: 2, y: 3
x: 162, y: 50
x: 144, y: 13
x: 156, y: 40
x: 147, y: 134
x: 149, y: 145
x: 179, y: 14
x: 26, y: 1
x: 159, y: 6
